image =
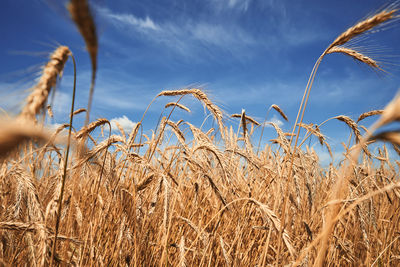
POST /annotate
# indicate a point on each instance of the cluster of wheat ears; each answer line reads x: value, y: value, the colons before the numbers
x: 187, y: 196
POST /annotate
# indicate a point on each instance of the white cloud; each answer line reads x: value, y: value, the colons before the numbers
x: 275, y: 120
x: 124, y: 122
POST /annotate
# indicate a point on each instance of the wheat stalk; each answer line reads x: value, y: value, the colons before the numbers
x: 388, y: 115
x: 182, y: 252
x: 178, y: 133
x: 28, y: 192
x: 133, y: 133
x: 227, y: 257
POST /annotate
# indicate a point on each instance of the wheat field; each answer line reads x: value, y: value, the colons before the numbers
x: 185, y: 195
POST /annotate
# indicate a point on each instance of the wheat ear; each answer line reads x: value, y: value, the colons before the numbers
x: 248, y: 118
x: 36, y: 101
x: 354, y: 54
x: 81, y: 15
x: 363, y: 26
x: 202, y: 97
x: 12, y: 134
x: 351, y: 124
x: 369, y: 114
x: 89, y: 128
x: 280, y: 111
x: 178, y: 105
x: 346, y: 36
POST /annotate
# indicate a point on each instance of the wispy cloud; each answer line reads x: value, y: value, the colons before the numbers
x: 114, y: 91
x: 331, y: 89
x: 337, y: 88
x: 182, y: 34
x: 242, y: 5
x: 238, y: 5
x: 128, y: 20
x: 220, y: 31
x: 257, y: 93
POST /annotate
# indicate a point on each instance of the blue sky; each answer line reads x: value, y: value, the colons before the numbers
x: 246, y: 54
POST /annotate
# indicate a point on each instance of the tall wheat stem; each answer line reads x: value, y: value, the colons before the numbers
x: 291, y: 173
x: 60, y: 199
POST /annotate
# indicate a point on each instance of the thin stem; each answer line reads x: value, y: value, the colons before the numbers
x: 262, y: 130
x: 101, y: 173
x: 60, y: 199
x: 153, y: 149
x: 302, y: 100
x: 91, y: 92
x: 303, y: 106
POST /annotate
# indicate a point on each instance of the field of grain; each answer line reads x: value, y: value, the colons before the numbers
x: 195, y: 196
